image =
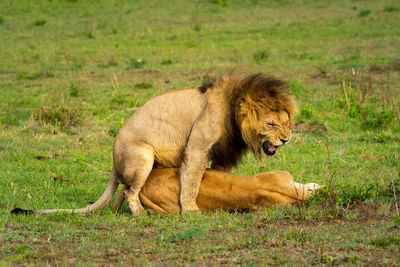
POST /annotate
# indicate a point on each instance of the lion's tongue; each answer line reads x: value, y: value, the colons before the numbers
x: 271, y: 148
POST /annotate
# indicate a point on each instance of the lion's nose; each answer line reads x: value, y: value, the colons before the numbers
x: 284, y: 141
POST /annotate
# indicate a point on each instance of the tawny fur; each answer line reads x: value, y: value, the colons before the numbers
x: 220, y: 190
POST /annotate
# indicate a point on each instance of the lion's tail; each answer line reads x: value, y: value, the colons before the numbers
x: 101, y: 202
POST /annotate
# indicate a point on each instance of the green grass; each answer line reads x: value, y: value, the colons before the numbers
x: 72, y: 72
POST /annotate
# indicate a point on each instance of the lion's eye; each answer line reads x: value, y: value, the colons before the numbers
x: 271, y: 124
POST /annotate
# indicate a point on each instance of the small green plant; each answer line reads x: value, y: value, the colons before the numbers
x: 39, y: 22
x: 47, y: 72
x: 196, y: 27
x: 261, y: 56
x: 219, y: 2
x: 306, y: 111
x: 184, y: 235
x: 115, y: 128
x: 196, y: 24
x: 143, y: 85
x: 191, y: 43
x: 342, y: 195
x: 90, y: 35
x: 73, y: 90
x: 359, y: 101
x: 166, y: 61
x: 348, y: 194
x: 1, y: 20
x: 396, y: 220
x: 13, y: 118
x: 353, y: 258
x: 364, y: 12
x: 29, y: 75
x: 136, y: 63
x: 298, y: 235
x: 121, y: 99
x: 384, y: 241
x: 61, y: 115
x: 390, y: 8
x: 326, y: 258
x: 113, y: 131
x: 189, y: 234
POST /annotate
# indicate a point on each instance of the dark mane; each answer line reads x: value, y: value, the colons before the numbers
x: 229, y: 149
x: 269, y: 92
x: 266, y: 94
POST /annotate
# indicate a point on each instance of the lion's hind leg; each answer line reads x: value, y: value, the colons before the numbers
x: 137, y: 164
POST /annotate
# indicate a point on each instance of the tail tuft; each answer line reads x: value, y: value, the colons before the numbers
x: 19, y: 211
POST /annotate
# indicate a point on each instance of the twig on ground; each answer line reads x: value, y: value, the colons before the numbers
x: 395, y: 197
x: 331, y: 183
x: 114, y: 81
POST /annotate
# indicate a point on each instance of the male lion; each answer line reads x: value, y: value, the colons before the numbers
x: 187, y: 128
x: 221, y: 190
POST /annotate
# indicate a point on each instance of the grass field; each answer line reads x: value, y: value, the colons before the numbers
x: 72, y: 72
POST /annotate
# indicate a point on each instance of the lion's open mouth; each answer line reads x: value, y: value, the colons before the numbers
x: 269, y: 148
